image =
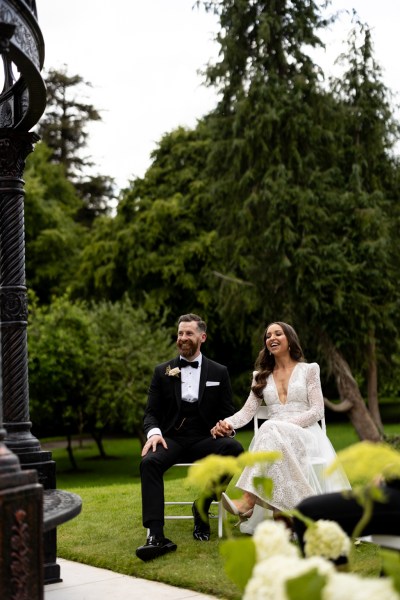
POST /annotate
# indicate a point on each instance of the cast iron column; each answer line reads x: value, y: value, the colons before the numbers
x: 14, y: 147
x: 22, y: 103
x: 21, y: 496
x: 21, y: 527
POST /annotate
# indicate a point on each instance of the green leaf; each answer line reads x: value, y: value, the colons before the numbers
x: 391, y: 566
x: 265, y: 483
x: 309, y: 585
x: 240, y: 558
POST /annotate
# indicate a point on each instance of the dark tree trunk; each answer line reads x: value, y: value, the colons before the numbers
x: 351, y: 400
x: 70, y: 452
x: 373, y: 403
x: 98, y: 438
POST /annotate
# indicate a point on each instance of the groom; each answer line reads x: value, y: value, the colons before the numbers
x: 187, y: 396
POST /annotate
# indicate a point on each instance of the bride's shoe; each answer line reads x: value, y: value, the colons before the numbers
x: 231, y: 507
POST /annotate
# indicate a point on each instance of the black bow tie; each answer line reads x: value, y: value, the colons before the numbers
x: 185, y: 363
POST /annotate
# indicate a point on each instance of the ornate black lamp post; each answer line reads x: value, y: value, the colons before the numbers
x: 22, y: 462
x: 21, y: 497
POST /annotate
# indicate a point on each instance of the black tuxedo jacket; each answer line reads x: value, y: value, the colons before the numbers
x: 165, y: 396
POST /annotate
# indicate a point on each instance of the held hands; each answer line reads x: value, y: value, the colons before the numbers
x: 222, y: 429
x: 152, y: 443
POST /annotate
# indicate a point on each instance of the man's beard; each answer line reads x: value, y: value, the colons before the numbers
x: 188, y: 348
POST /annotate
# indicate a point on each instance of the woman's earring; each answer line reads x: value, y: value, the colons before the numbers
x: 270, y: 352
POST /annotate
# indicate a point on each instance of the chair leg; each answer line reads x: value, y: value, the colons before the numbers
x: 221, y: 519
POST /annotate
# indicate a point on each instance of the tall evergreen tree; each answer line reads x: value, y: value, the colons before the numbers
x: 64, y: 124
x: 295, y: 223
x: 370, y: 172
x: 161, y: 240
x: 64, y: 128
x: 269, y: 136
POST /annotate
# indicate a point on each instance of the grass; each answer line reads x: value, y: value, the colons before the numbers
x: 109, y: 528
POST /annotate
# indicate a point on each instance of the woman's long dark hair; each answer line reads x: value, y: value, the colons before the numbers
x: 265, y: 362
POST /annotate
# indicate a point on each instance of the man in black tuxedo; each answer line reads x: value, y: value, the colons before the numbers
x: 187, y: 396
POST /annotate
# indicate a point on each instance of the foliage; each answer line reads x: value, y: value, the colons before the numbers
x: 90, y: 366
x: 304, y: 183
x: 365, y: 462
x: 390, y: 566
x: 210, y: 473
x: 240, y: 558
x: 64, y: 124
x: 160, y: 246
x: 101, y: 273
x: 110, y: 491
x: 274, y: 567
x: 127, y: 345
x: 366, y: 160
x: 64, y: 129
x: 61, y: 355
x: 303, y: 222
x: 98, y: 193
x: 53, y: 239
x: 159, y: 242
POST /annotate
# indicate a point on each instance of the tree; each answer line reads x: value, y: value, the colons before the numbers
x: 297, y: 226
x: 53, y: 238
x: 266, y: 145
x: 128, y: 344
x: 64, y: 128
x: 60, y: 361
x: 159, y: 246
x: 98, y: 194
x: 64, y: 124
x: 371, y: 131
x: 90, y: 366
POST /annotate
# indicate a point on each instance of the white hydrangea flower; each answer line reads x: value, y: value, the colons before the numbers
x: 268, y: 580
x: 272, y: 538
x: 347, y: 586
x: 327, y: 539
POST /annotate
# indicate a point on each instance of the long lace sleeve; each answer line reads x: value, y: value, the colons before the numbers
x: 247, y: 412
x: 315, y: 398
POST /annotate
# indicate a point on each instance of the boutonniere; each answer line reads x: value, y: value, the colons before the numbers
x: 175, y: 372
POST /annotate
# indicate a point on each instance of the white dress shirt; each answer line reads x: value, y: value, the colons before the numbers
x: 190, y: 383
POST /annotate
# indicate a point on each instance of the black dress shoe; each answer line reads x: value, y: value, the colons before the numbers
x: 201, y: 530
x: 155, y: 547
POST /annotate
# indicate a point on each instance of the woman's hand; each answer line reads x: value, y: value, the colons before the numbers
x: 222, y: 429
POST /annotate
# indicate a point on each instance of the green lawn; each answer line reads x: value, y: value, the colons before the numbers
x: 109, y: 528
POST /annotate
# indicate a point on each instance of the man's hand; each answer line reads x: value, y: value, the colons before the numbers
x: 152, y: 443
x: 222, y: 429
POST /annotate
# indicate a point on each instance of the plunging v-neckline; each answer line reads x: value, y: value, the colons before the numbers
x: 288, y: 384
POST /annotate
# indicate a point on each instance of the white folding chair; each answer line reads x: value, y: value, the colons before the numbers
x: 385, y: 541
x: 218, y: 516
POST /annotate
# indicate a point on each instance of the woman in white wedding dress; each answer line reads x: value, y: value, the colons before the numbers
x: 291, y: 390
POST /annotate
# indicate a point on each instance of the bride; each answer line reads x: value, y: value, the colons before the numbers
x: 291, y: 390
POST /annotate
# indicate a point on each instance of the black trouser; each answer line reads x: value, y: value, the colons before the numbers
x: 186, y: 446
x: 342, y: 508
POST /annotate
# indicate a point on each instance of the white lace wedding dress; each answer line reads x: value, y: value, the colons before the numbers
x: 293, y: 429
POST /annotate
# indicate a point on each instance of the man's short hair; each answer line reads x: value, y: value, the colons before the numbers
x: 192, y: 317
